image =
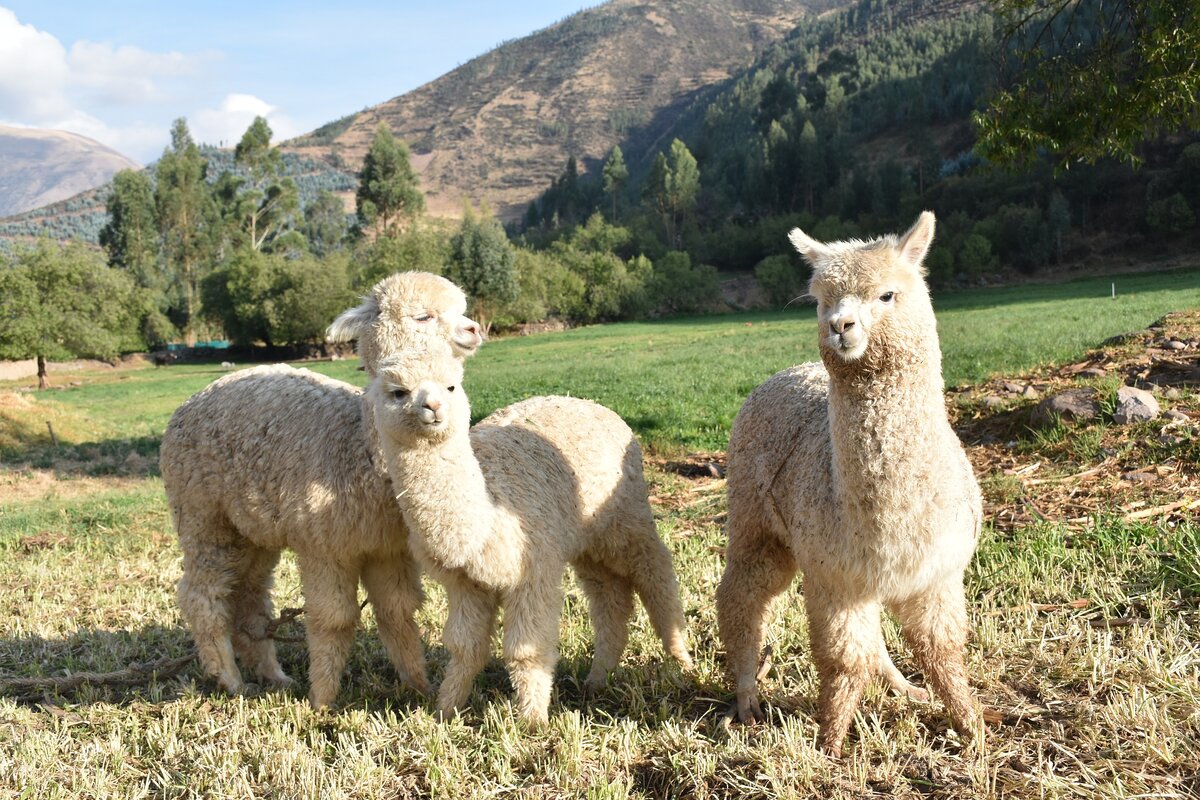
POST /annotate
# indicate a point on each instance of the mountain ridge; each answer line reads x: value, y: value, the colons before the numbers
x: 39, y: 167
x: 499, y: 127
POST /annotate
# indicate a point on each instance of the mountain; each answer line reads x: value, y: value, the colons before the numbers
x: 40, y: 167
x: 82, y: 215
x: 500, y: 127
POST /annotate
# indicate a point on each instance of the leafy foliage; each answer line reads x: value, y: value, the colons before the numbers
x: 1089, y: 79
x: 388, y: 194
x: 61, y: 302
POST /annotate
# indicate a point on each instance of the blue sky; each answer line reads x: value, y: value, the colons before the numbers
x: 121, y: 71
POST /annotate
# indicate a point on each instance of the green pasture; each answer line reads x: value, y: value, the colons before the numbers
x: 679, y: 382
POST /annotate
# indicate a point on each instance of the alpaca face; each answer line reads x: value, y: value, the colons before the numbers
x: 405, y: 311
x: 418, y: 395
x: 866, y: 288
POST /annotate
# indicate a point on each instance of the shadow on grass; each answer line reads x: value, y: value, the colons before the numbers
x: 157, y: 664
x: 130, y: 457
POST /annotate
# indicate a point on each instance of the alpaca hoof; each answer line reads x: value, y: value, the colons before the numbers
x: 595, y: 683
x: 420, y: 685
x: 279, y: 680
x: 747, y: 710
x: 832, y: 751
x: 917, y: 693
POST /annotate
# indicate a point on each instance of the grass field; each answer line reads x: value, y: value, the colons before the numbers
x: 1085, y: 645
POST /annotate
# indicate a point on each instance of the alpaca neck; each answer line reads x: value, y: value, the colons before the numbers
x: 885, y: 418
x: 442, y: 492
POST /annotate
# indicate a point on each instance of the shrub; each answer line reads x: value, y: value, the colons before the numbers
x: 782, y: 279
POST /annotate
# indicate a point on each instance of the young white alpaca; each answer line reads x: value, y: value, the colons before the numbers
x: 275, y: 457
x: 852, y: 473
x: 497, y: 512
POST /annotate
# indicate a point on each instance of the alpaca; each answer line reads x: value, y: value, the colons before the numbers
x: 275, y: 457
x: 851, y: 472
x: 401, y: 309
x: 498, y: 511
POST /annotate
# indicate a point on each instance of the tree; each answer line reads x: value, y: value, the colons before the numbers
x: 264, y: 204
x: 1087, y: 80
x: 615, y: 174
x: 325, y: 223
x: 656, y: 192
x: 684, y: 184
x: 483, y: 263
x: 63, y: 302
x: 388, y: 191
x: 129, y: 236
x: 182, y: 209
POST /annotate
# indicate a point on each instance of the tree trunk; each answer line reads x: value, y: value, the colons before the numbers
x: 41, y: 365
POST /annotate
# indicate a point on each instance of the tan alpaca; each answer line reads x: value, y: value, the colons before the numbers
x: 275, y: 457
x: 400, y: 310
x: 497, y: 512
x: 851, y: 473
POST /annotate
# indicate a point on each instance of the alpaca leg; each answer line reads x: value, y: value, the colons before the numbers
x: 531, y: 621
x: 610, y: 599
x: 394, y: 589
x: 209, y: 572
x: 331, y: 615
x: 935, y: 626
x: 845, y: 639
x: 654, y: 579
x: 253, y: 612
x: 468, y: 637
x: 895, y: 678
x: 758, y: 567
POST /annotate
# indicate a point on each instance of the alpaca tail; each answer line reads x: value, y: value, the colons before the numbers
x: 895, y: 679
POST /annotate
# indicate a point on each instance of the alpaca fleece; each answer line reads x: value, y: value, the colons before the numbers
x: 498, y: 511
x: 275, y: 457
x: 849, y: 471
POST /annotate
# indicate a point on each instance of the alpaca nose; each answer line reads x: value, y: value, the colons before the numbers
x: 841, y: 324
x: 472, y: 328
x: 433, y: 404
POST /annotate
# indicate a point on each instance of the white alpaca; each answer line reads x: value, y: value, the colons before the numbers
x: 274, y: 457
x: 498, y: 512
x: 852, y: 473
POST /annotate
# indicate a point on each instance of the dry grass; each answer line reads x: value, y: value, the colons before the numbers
x: 1086, y: 653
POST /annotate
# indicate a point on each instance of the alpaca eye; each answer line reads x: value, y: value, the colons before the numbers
x: 449, y: 388
x: 424, y: 317
x: 887, y: 297
x: 399, y: 394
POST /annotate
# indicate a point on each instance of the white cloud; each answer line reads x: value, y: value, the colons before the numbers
x: 120, y: 95
x: 128, y: 75
x: 33, y: 72
x: 226, y: 124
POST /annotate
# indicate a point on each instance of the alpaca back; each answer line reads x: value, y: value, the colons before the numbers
x: 281, y: 454
x: 582, y: 459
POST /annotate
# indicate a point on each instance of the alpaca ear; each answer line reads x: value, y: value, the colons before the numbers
x: 812, y: 250
x: 915, y: 243
x: 350, y: 324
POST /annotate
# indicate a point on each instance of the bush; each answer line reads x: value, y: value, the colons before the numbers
x: 1170, y: 215
x: 975, y: 256
x: 782, y: 279
x: 677, y: 287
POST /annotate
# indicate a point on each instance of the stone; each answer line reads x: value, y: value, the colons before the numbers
x: 1013, y: 388
x: 1139, y: 477
x: 1094, y: 372
x: 1135, y: 405
x: 1073, y: 404
x: 1177, y: 415
x: 992, y: 401
x: 1175, y: 344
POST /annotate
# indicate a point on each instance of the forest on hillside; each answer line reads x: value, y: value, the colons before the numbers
x: 849, y: 127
